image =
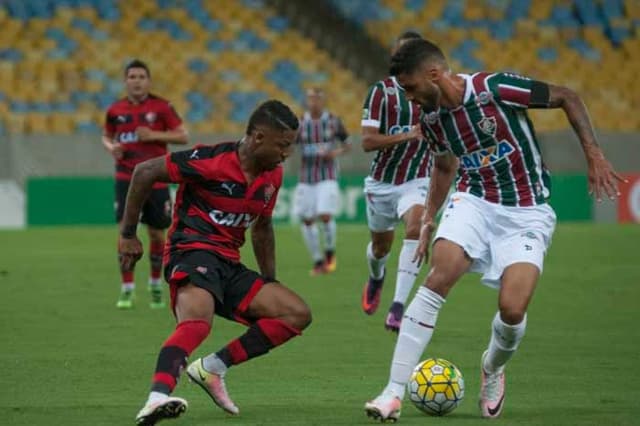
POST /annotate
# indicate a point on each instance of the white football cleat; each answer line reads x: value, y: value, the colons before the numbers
x: 385, y: 408
x: 492, y: 389
x: 168, y: 408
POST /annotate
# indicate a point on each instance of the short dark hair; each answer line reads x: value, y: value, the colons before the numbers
x: 413, y: 53
x: 137, y: 63
x: 409, y: 35
x: 274, y: 114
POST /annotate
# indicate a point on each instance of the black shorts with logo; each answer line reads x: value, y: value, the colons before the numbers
x: 156, y: 211
x: 232, y: 285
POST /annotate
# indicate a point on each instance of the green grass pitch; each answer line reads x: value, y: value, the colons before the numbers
x: 70, y: 358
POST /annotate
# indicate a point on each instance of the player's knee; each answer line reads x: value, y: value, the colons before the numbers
x: 308, y: 222
x: 439, y: 281
x: 299, y: 316
x: 380, y: 249
x: 326, y: 218
x: 412, y: 231
x: 512, y: 314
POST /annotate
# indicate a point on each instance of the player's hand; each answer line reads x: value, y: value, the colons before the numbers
x: 414, y: 133
x: 603, y: 180
x: 145, y: 134
x: 129, y: 251
x: 422, y: 251
x: 329, y: 155
x: 117, y: 151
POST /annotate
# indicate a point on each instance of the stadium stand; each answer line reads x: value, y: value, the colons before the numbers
x: 589, y: 45
x: 61, y: 62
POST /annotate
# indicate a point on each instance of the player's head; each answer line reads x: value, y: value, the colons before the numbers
x: 137, y: 79
x: 315, y: 100
x: 271, y: 132
x: 403, y: 38
x: 419, y: 66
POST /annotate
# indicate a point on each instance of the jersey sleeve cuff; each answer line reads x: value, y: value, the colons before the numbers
x: 370, y: 123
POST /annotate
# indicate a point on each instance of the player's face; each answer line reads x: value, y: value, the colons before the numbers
x: 420, y: 87
x: 273, y: 146
x: 138, y: 82
x: 315, y: 102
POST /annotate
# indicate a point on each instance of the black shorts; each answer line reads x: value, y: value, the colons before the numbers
x: 232, y: 285
x: 156, y: 211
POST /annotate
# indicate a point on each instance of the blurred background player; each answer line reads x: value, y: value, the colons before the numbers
x: 395, y: 188
x: 224, y: 189
x: 498, y: 221
x: 322, y: 138
x: 137, y: 128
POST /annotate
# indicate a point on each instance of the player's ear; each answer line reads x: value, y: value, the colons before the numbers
x: 258, y: 135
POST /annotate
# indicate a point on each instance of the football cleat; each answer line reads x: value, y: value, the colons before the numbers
x: 330, y: 262
x: 213, y: 385
x: 384, y: 408
x: 125, y: 301
x: 492, y: 389
x: 156, y: 297
x: 319, y: 268
x: 371, y: 295
x: 394, y: 317
x: 168, y: 408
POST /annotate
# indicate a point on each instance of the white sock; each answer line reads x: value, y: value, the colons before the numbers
x: 407, y: 271
x: 329, y: 235
x: 128, y: 287
x: 156, y: 396
x: 416, y: 330
x: 311, y: 239
x: 376, y: 266
x: 155, y: 281
x: 213, y: 364
x: 504, y: 341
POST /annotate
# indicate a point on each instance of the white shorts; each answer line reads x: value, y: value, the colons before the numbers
x: 313, y: 199
x: 497, y: 236
x: 386, y: 203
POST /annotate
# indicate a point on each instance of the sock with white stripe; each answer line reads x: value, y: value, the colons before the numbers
x: 376, y: 266
x: 311, y: 239
x: 416, y: 330
x: 505, y: 339
x: 407, y: 271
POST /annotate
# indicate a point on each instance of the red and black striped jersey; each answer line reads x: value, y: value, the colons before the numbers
x: 122, y: 120
x: 214, y: 204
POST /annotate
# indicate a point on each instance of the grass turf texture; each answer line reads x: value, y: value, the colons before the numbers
x: 70, y: 357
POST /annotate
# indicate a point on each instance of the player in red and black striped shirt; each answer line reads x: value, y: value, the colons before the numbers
x: 137, y: 128
x: 224, y: 189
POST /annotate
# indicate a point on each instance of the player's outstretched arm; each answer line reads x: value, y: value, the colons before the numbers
x: 603, y: 179
x: 144, y: 176
x: 372, y: 140
x: 442, y: 176
x: 264, y: 246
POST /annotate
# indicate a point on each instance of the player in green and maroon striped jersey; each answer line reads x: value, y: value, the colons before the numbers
x: 498, y: 221
x: 395, y: 188
x: 322, y: 138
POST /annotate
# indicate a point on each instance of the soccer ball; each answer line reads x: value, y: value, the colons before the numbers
x: 436, y: 387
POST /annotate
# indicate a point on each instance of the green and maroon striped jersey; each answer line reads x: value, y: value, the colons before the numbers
x: 316, y: 137
x: 492, y: 135
x: 387, y: 109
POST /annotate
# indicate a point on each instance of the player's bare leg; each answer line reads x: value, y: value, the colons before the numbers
x: 156, y: 248
x: 517, y: 286
x: 329, y: 229
x: 407, y: 269
x: 194, y: 312
x: 377, y: 254
x: 278, y: 313
x: 127, y: 287
x: 448, y: 263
